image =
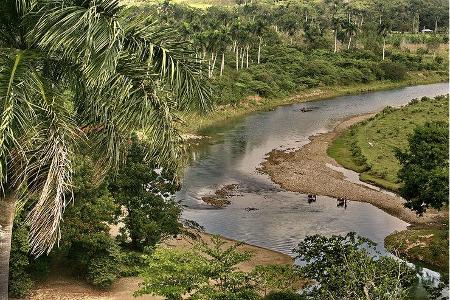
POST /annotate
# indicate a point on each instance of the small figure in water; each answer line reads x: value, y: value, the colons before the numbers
x: 312, y: 198
x: 342, y: 202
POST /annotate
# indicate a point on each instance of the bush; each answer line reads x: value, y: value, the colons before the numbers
x: 20, y: 281
x: 393, y: 71
x: 103, y: 269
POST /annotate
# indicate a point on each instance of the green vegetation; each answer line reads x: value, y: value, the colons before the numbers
x: 257, y: 55
x: 80, y: 78
x: 424, y: 170
x: 426, y: 246
x: 79, y: 74
x: 348, y: 267
x: 210, y: 271
x: 151, y: 213
x: 87, y: 249
x: 369, y: 147
x: 342, y: 267
x: 399, y: 149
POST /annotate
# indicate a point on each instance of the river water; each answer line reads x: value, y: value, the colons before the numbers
x: 279, y: 219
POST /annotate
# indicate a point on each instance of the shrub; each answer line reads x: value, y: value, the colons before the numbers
x: 20, y: 281
x: 86, y: 243
x: 103, y: 269
x: 393, y: 71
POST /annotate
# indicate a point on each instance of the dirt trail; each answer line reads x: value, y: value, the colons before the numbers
x: 305, y: 171
x: 63, y: 287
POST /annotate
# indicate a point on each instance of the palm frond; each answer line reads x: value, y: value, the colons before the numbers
x: 17, y: 93
x: 172, y: 60
x: 90, y: 36
x: 49, y: 172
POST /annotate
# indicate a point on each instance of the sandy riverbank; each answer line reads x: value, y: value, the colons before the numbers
x: 306, y: 171
x: 62, y: 287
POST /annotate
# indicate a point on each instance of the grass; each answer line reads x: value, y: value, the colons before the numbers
x: 197, y: 123
x: 369, y: 147
x: 429, y: 246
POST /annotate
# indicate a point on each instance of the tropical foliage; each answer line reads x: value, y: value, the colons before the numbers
x: 92, y: 246
x: 210, y: 271
x: 272, y: 50
x: 78, y: 73
x: 348, y: 267
x: 339, y: 267
x: 146, y: 196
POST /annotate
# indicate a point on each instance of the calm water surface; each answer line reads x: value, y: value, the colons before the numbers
x: 283, y: 218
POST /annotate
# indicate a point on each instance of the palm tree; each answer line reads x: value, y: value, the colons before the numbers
x: 79, y: 71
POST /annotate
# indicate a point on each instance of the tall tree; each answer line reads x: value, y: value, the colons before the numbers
x: 425, y: 168
x: 74, y: 72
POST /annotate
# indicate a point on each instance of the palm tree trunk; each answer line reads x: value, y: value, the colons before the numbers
x: 259, y: 50
x: 7, y: 209
x: 335, y: 40
x: 213, y: 64
x: 237, y: 58
x: 209, y: 67
x: 247, y: 57
x: 222, y: 64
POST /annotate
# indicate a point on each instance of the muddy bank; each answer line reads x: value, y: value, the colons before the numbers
x: 305, y: 170
x: 63, y: 287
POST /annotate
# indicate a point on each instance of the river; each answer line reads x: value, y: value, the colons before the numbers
x: 279, y: 219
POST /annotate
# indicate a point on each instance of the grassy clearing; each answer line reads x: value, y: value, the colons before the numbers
x: 429, y: 246
x: 369, y: 147
x: 198, y: 124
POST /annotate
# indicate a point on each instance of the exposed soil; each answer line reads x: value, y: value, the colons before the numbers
x: 305, y: 171
x: 63, y: 287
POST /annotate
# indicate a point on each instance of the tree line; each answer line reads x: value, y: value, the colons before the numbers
x: 330, y: 24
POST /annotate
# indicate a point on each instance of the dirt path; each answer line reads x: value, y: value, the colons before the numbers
x: 305, y: 171
x: 62, y: 287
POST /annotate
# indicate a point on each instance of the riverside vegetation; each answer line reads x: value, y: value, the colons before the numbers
x: 258, y: 54
x: 71, y: 108
x: 399, y: 149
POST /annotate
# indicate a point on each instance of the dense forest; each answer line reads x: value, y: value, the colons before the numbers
x: 274, y: 49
